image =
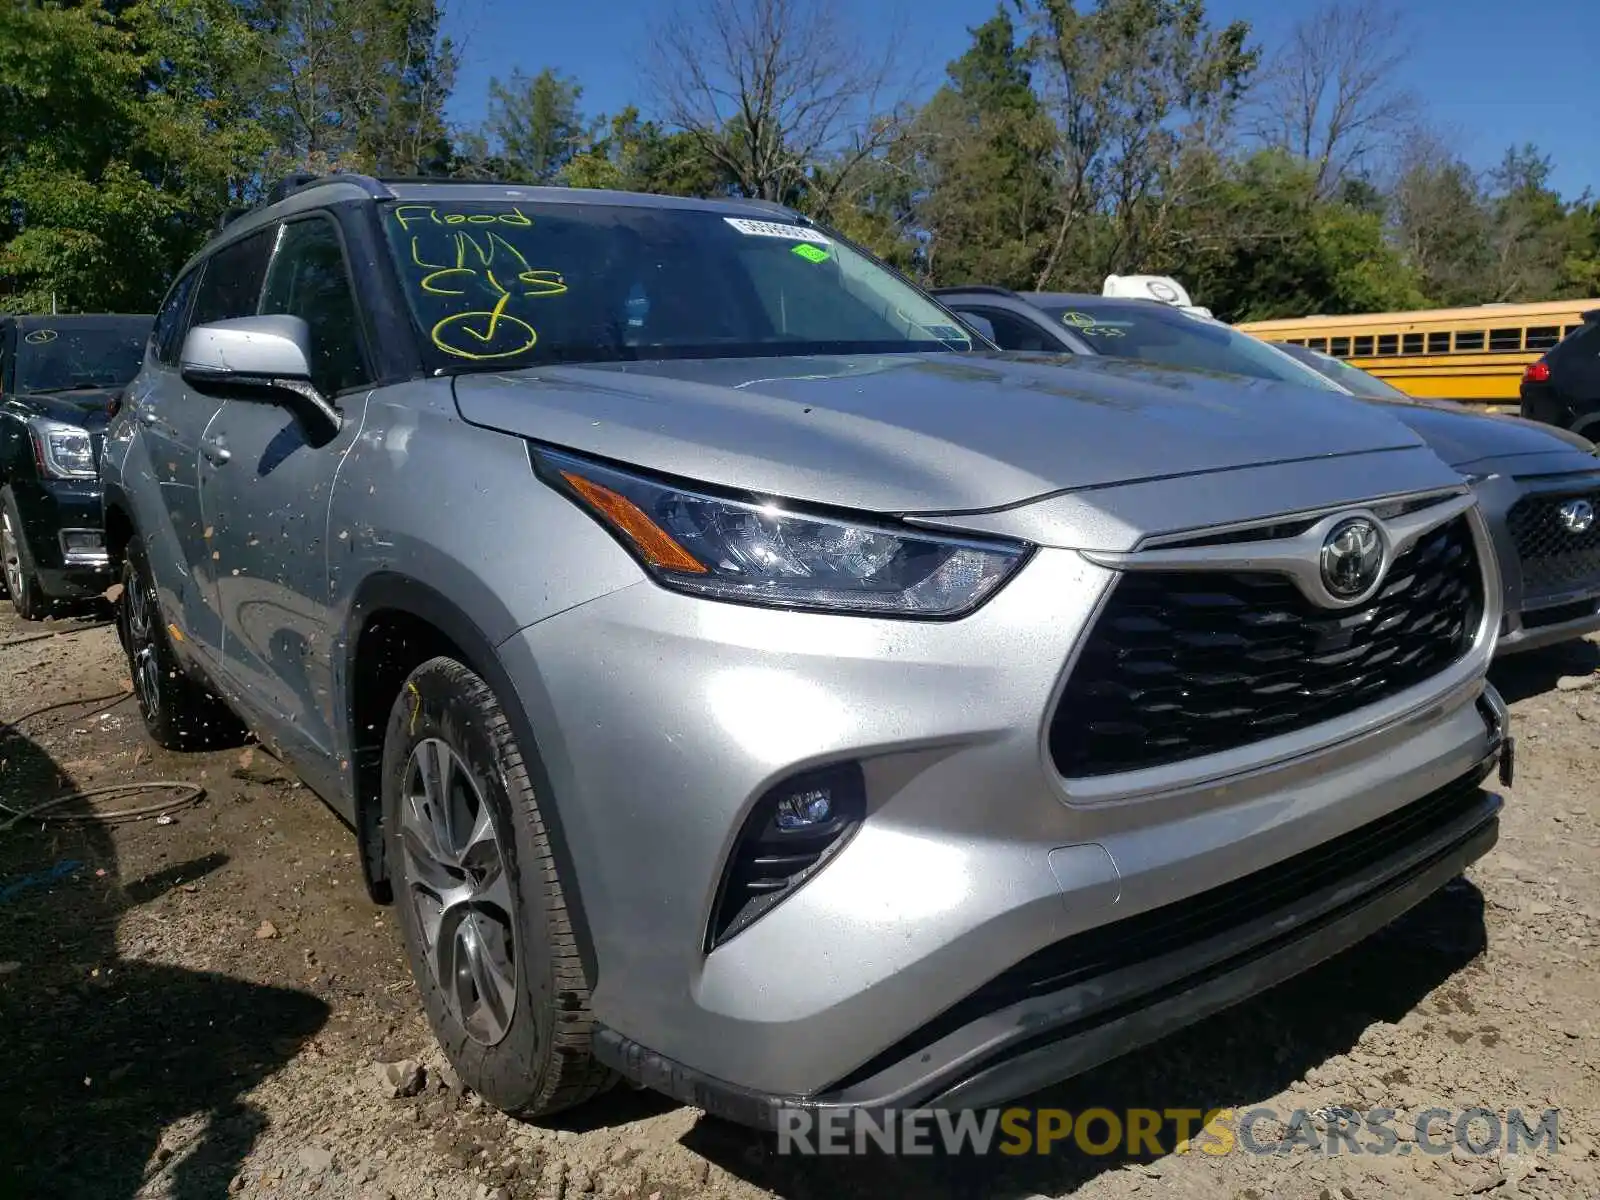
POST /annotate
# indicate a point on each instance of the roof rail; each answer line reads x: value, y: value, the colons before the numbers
x: 772, y: 206
x: 300, y: 181
x: 463, y: 181
x: 987, y: 289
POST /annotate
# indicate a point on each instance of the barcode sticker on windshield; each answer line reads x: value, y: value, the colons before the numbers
x: 796, y: 233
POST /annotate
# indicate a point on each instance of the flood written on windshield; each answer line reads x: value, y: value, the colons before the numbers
x: 502, y: 285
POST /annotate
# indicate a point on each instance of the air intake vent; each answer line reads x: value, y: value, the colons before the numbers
x: 788, y: 836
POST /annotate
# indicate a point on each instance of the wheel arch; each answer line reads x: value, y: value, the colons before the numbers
x: 1588, y: 425
x: 119, y: 527
x: 398, y: 623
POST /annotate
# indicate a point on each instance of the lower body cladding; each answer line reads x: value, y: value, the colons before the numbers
x: 1538, y: 625
x: 977, y: 930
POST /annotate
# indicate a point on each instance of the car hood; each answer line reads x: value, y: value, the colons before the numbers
x: 1462, y: 437
x: 922, y: 433
x: 85, y: 407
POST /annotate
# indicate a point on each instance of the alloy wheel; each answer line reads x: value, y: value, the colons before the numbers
x: 142, y: 646
x: 457, y: 883
x: 13, y: 556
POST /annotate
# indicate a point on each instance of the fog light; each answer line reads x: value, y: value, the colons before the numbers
x: 788, y: 836
x: 83, y: 547
x: 805, y: 809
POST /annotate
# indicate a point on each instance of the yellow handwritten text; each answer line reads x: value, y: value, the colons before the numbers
x: 416, y: 257
x: 484, y: 335
x: 483, y: 259
x: 428, y: 285
x: 420, y: 214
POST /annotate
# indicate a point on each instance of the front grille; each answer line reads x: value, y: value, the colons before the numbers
x: 1554, y: 560
x: 1147, y: 937
x: 1186, y: 663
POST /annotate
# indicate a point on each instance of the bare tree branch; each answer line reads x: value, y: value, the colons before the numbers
x: 1331, y: 94
x: 772, y: 88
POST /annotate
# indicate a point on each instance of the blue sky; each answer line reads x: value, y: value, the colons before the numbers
x: 1489, y: 81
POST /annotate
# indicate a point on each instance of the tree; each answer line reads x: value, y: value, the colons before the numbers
x: 978, y: 178
x: 123, y: 137
x: 358, y: 84
x: 534, y: 126
x: 1507, y: 237
x: 1580, y: 274
x: 1330, y: 96
x: 631, y: 154
x: 1441, y: 224
x: 769, y: 88
x: 1263, y: 245
x: 1134, y: 88
x: 1529, y: 237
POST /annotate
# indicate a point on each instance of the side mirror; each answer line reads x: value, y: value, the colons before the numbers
x: 269, y: 354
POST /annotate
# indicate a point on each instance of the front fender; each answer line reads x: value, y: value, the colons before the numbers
x: 386, y: 593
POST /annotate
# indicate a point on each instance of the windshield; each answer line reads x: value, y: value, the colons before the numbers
x: 1158, y: 333
x: 68, y: 357
x: 497, y: 285
x: 1352, y: 379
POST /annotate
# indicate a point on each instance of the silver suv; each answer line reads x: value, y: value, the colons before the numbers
x: 747, y: 683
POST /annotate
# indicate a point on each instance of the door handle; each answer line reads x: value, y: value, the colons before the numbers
x: 216, y: 450
x: 147, y: 415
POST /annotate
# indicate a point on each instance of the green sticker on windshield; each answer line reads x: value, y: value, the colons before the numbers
x: 811, y: 253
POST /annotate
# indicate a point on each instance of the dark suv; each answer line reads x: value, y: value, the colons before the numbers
x: 60, y: 377
x: 1563, y: 387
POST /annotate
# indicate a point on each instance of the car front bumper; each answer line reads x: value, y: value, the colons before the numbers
x: 1535, y: 614
x: 660, y: 720
x: 64, y: 523
x: 984, y: 1052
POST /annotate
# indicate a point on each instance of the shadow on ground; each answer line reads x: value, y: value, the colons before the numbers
x: 1519, y: 676
x: 101, y: 1053
x: 1237, y: 1060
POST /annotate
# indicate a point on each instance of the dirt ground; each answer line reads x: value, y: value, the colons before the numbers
x: 195, y: 1008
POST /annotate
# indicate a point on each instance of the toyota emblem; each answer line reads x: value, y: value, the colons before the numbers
x: 1352, y: 558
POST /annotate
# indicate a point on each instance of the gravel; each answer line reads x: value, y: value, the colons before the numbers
x: 215, y: 1008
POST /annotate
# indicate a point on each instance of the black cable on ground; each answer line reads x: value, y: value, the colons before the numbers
x: 114, y: 697
x: 54, y: 633
x: 188, y: 794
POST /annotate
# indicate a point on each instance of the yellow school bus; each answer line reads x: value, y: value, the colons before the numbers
x: 1475, y: 354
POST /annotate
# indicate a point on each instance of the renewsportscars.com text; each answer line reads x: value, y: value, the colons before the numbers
x: 1137, y: 1132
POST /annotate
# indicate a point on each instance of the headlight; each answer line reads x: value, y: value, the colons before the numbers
x: 755, y: 553
x: 62, y: 451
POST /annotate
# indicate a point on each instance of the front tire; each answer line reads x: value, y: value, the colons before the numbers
x: 178, y: 712
x: 481, y: 906
x: 22, y: 581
